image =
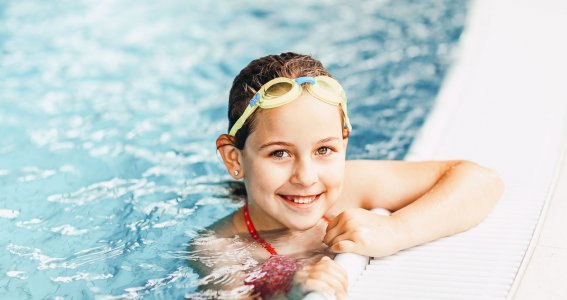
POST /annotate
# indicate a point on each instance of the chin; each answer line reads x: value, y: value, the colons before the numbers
x: 307, y: 224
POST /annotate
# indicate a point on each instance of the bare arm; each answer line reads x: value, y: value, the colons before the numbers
x: 429, y: 200
x: 460, y: 199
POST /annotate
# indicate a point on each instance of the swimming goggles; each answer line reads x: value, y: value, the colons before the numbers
x: 280, y: 91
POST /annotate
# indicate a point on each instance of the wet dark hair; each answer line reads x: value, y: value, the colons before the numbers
x: 257, y: 73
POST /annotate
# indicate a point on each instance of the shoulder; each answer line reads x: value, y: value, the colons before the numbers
x: 390, y: 184
x: 208, y: 249
x: 360, y: 177
x: 358, y: 173
x: 224, y: 227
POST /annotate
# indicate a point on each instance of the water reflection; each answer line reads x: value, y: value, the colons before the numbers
x: 109, y: 111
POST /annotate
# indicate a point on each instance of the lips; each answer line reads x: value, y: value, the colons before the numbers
x: 301, y: 200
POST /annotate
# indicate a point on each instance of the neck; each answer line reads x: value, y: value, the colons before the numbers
x: 262, y: 222
x: 254, y: 233
x: 269, y: 228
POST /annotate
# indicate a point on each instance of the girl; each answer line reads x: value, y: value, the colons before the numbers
x: 287, y: 140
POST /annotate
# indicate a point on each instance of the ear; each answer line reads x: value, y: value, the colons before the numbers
x: 346, y: 135
x: 230, y: 155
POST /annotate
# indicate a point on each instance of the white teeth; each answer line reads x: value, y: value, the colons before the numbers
x: 303, y: 200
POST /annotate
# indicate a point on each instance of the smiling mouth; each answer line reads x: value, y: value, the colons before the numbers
x: 297, y: 200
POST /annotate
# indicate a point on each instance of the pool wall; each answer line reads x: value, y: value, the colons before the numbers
x: 504, y: 105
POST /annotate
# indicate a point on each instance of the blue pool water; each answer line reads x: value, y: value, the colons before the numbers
x: 109, y: 111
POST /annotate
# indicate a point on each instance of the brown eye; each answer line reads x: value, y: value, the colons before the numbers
x: 324, y: 151
x: 280, y: 154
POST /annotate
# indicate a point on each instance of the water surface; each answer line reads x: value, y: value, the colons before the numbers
x: 109, y: 111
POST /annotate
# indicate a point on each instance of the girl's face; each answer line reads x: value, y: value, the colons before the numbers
x: 294, y: 164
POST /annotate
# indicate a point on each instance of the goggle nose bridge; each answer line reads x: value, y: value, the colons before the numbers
x: 306, y: 79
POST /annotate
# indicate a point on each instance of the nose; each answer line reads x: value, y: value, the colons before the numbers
x: 304, y: 173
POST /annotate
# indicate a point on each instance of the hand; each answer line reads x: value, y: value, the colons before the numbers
x: 363, y: 232
x: 325, y: 277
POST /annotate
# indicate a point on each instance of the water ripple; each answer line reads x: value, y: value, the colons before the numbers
x: 67, y: 229
x: 8, y: 213
x: 109, y: 113
x: 115, y: 187
x: 34, y: 254
x: 17, y: 274
x: 81, y: 276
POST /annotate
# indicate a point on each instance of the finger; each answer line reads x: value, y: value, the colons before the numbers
x: 341, y: 274
x: 334, y: 229
x: 337, y: 283
x: 332, y: 221
x: 328, y: 266
x: 333, y: 234
x: 345, y: 235
x: 302, y: 273
x: 344, y: 246
x: 345, y: 216
x: 331, y: 277
x: 318, y: 286
x: 338, y: 220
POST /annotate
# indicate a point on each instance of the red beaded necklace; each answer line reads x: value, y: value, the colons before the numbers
x: 279, y: 267
x: 255, y: 234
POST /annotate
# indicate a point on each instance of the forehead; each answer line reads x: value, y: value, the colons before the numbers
x: 305, y: 117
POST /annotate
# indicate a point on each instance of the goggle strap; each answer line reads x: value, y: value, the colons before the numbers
x: 347, y: 122
x: 254, y: 99
x: 240, y: 122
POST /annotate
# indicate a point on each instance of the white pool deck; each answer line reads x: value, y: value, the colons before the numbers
x: 503, y: 105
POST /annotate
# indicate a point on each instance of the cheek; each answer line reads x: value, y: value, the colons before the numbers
x: 333, y: 175
x: 265, y: 176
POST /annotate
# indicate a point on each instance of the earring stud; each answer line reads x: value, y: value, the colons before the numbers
x: 236, y: 172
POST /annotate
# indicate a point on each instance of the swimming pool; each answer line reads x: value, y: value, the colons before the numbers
x: 109, y: 112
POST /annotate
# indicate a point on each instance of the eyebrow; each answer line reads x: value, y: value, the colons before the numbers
x: 275, y: 143
x: 285, y: 144
x: 329, y: 139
